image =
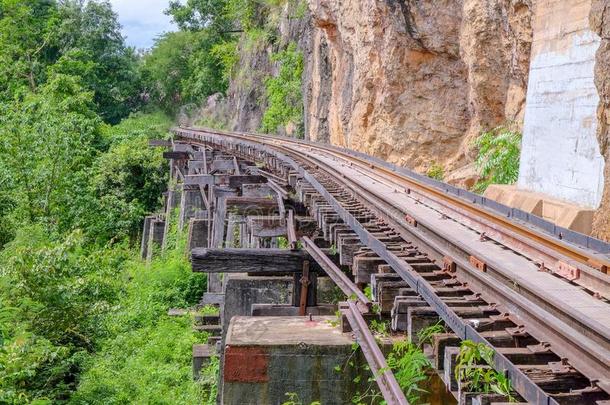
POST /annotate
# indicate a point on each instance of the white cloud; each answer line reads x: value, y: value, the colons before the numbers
x: 142, y: 21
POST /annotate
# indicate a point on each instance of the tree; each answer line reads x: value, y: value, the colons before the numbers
x: 196, y: 15
x: 26, y: 44
x: 84, y: 37
x: 44, y: 140
x: 182, y: 68
x: 91, y: 34
x: 125, y: 183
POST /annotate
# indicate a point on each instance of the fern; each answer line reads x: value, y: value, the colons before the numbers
x: 410, y: 365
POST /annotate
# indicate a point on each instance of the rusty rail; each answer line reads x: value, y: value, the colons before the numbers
x: 379, y: 367
x: 340, y: 279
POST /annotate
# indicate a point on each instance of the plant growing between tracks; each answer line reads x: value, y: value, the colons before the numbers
x: 474, y: 371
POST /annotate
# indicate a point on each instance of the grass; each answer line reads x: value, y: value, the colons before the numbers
x: 410, y: 366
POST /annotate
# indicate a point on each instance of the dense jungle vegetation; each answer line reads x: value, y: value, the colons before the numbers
x: 82, y: 318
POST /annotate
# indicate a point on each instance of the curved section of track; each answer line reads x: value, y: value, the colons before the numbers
x: 502, y: 260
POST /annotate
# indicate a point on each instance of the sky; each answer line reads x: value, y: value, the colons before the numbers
x: 142, y: 20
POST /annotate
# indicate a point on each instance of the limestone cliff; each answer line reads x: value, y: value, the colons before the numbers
x: 411, y: 81
x: 600, y: 24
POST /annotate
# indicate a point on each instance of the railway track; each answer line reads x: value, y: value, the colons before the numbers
x: 537, y: 299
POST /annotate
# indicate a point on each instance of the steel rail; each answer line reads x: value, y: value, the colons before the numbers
x: 379, y: 367
x: 597, y: 330
x: 590, y: 277
x: 340, y: 279
x: 549, y: 243
x: 529, y: 390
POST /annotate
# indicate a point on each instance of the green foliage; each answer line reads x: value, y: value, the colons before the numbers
x: 60, y: 292
x: 474, y: 370
x: 498, y: 157
x: 283, y: 243
x: 333, y: 249
x: 26, y: 31
x: 197, y: 15
x: 77, y: 309
x: 242, y: 12
x: 226, y: 53
x: 148, y: 357
x: 436, y: 171
x: 126, y: 182
x: 424, y: 336
x: 91, y: 31
x: 182, y: 68
x: 209, y: 310
x: 285, y: 99
x: 210, y: 122
x: 208, y: 381
x: 44, y: 139
x: 293, y: 399
x: 380, y: 328
x: 410, y: 365
x: 368, y: 291
x: 40, y: 39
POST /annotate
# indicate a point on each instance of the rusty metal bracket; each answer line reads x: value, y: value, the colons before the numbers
x: 304, y: 288
x: 478, y: 263
x: 410, y: 220
x: 568, y: 271
x: 449, y: 265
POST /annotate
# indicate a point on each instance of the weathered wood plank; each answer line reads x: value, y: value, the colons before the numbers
x: 248, y: 205
x: 236, y: 181
x: 176, y: 155
x: 267, y: 226
x: 250, y: 261
x: 261, y: 190
x: 221, y: 165
x: 159, y: 143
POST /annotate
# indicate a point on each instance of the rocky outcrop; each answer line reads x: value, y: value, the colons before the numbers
x: 244, y: 105
x: 600, y: 24
x: 411, y: 81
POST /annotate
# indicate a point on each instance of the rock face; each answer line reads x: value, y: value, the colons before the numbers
x: 411, y: 81
x: 600, y: 24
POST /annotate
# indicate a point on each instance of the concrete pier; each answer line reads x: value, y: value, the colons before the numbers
x: 242, y: 291
x: 156, y: 236
x: 267, y: 357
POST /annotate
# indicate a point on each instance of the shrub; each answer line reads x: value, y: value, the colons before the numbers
x: 148, y: 357
x: 436, y: 172
x: 55, y: 295
x: 498, y: 157
x: 226, y: 53
x: 285, y: 99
